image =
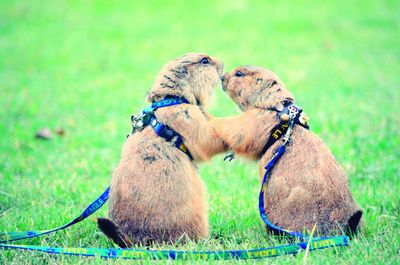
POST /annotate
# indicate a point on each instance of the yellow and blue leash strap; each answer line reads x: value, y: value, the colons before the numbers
x: 281, y: 150
x: 93, y: 207
x: 137, y: 254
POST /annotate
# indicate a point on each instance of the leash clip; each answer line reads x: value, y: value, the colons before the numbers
x: 293, y: 111
x: 229, y: 157
x: 138, y: 122
x: 290, y: 114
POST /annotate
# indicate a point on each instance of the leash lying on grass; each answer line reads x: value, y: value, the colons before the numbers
x: 159, y: 254
x: 185, y: 255
x: 259, y: 253
x: 319, y: 243
x: 291, y: 114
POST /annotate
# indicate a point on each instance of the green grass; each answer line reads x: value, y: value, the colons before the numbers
x: 87, y: 65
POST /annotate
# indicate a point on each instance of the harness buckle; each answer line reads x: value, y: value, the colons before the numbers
x: 293, y: 111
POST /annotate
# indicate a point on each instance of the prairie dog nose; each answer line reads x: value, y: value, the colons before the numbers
x: 224, y: 81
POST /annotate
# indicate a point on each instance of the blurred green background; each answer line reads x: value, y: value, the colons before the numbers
x: 86, y: 66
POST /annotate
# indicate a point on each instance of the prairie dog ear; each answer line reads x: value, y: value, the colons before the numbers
x: 266, y: 84
x: 271, y: 91
x: 179, y: 72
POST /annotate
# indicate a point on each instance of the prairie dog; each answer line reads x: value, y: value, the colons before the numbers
x: 307, y: 185
x: 156, y: 193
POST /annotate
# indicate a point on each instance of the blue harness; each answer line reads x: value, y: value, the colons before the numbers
x: 147, y: 118
x: 139, y: 122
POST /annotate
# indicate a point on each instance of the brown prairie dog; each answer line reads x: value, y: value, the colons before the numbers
x: 307, y: 185
x: 156, y: 194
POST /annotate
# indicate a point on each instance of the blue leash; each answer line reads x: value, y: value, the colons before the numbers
x: 140, y: 254
x: 92, y: 208
x: 261, y: 206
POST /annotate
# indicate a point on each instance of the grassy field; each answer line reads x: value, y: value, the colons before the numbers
x: 87, y: 65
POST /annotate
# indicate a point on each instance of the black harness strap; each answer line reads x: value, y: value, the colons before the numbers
x: 276, y: 133
x: 290, y: 111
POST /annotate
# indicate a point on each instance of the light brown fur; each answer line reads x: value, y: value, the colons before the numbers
x: 156, y: 192
x: 307, y: 185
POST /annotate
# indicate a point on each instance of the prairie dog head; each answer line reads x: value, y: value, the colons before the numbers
x: 255, y: 87
x: 192, y: 76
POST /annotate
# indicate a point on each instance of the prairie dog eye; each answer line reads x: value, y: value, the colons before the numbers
x: 204, y: 61
x: 239, y: 74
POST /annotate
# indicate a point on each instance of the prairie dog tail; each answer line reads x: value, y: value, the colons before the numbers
x: 353, y: 223
x: 113, y: 232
